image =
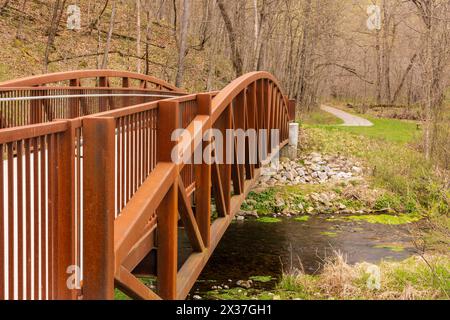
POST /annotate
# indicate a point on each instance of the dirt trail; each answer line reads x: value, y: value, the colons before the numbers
x: 349, y: 119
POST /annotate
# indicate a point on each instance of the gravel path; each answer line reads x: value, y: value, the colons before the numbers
x: 349, y: 119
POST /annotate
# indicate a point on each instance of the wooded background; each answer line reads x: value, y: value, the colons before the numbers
x: 318, y: 49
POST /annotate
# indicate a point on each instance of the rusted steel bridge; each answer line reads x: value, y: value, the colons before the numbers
x: 90, y: 198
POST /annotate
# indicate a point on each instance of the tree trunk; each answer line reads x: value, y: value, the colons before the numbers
x: 54, y: 23
x: 402, y: 81
x: 94, y: 23
x: 257, y: 35
x: 108, y: 39
x: 148, y: 33
x: 138, y: 34
x: 238, y: 64
x: 378, y: 66
x: 183, y: 42
x: 19, y: 26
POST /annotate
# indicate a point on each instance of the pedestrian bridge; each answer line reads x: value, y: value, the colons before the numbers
x: 90, y: 197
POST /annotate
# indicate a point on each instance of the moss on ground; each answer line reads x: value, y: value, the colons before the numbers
x: 268, y: 220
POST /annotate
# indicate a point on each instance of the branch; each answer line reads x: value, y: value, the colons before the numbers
x: 129, y: 38
x: 402, y: 82
x: 120, y: 53
x: 346, y: 68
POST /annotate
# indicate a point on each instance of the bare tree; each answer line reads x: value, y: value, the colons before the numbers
x: 138, y: 34
x: 232, y: 36
x: 58, y: 8
x: 95, y: 22
x: 20, y: 25
x: 434, y: 60
x: 148, y: 32
x: 108, y: 39
x: 183, y: 42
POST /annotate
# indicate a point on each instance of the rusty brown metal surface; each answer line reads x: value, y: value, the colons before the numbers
x: 98, y: 190
x: 25, y: 106
x: 96, y: 76
x: 107, y: 184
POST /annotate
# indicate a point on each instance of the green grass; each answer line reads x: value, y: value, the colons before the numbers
x: 388, y: 129
x: 395, y: 167
x: 320, y: 117
x: 391, y: 130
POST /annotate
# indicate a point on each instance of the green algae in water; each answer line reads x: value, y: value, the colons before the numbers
x: 329, y: 234
x: 262, y: 279
x: 394, y: 248
x: 386, y: 219
x: 302, y: 219
x: 268, y: 220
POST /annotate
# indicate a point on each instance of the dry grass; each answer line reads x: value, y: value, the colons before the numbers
x: 417, y: 278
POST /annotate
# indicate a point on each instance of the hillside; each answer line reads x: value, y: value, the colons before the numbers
x: 24, y: 37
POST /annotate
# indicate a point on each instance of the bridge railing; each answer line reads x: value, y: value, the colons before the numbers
x: 24, y: 106
x: 93, y: 78
x: 37, y: 202
x: 169, y: 196
x: 110, y: 194
x: 72, y: 94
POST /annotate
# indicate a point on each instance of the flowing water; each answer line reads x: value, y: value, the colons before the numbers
x: 252, y: 248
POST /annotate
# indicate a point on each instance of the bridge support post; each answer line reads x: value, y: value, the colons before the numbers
x: 292, y: 112
x: 167, y: 213
x: 203, y: 180
x: 64, y: 246
x: 99, y: 190
x: 167, y: 259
